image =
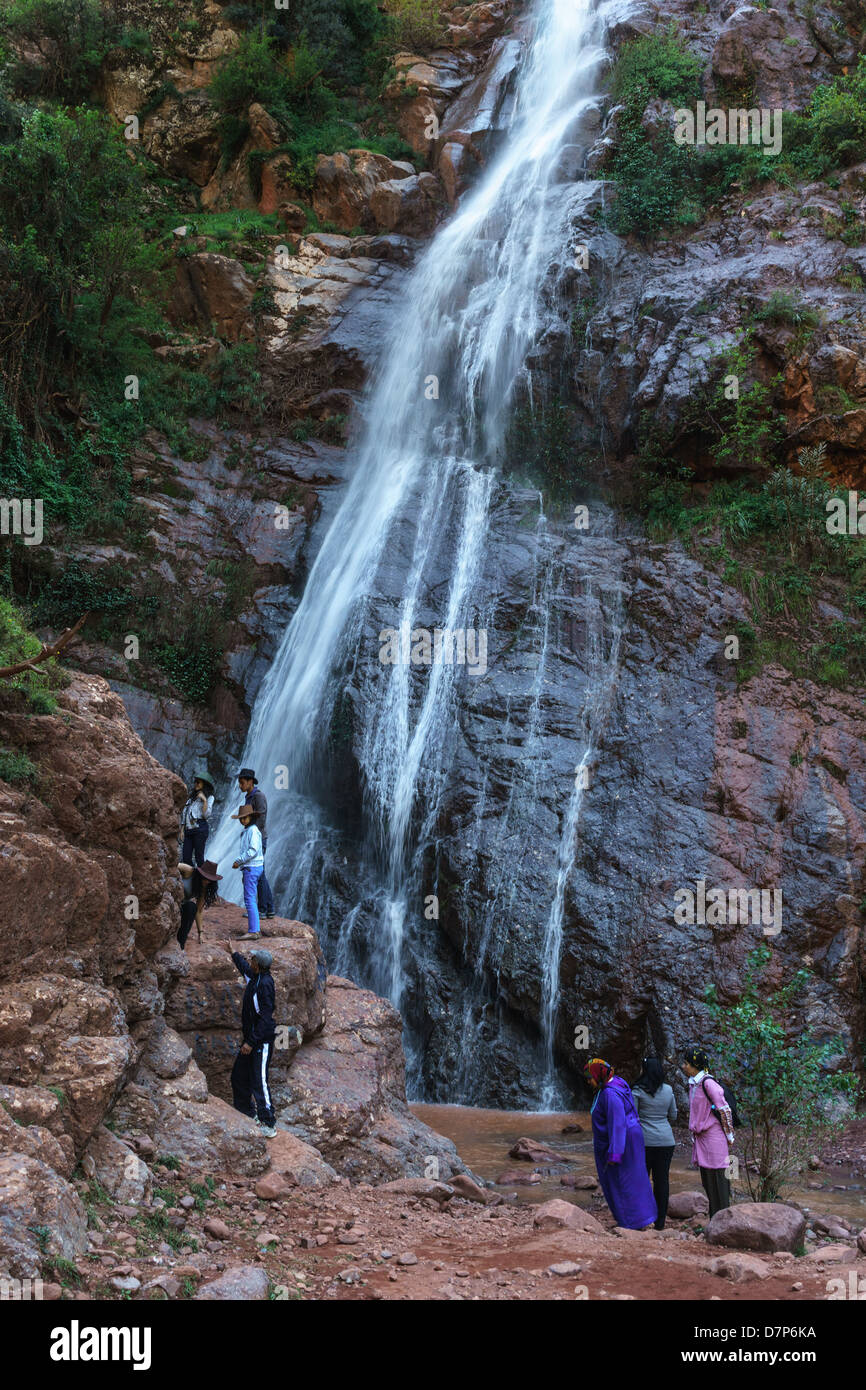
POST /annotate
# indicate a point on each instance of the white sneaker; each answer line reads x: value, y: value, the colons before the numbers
x: 267, y: 1130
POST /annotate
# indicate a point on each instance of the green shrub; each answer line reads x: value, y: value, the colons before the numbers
x: 17, y: 769
x: 787, y: 1096
x: 787, y: 308
x: 657, y: 66
x: 72, y: 38
x: 414, y: 24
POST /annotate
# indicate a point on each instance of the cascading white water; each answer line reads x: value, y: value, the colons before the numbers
x: 603, y: 610
x: 418, y: 502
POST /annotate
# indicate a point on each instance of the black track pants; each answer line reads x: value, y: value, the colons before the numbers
x: 250, y: 1087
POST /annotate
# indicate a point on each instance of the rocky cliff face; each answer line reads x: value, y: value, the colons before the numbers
x: 103, y: 1020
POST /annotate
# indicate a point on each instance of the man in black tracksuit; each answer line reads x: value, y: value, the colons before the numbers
x: 253, y: 1062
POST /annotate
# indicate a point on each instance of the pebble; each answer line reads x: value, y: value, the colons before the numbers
x: 565, y: 1268
x: 407, y: 1258
x: 187, y: 1202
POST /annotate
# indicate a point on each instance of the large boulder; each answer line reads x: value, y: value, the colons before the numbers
x: 410, y: 206
x: 558, y: 1215
x: 214, y: 293
x: 298, y: 1162
x: 183, y: 137
x: 346, y: 1094
x: 40, y: 1215
x: 764, y: 1226
x: 345, y: 182
x: 204, y: 1006
x: 117, y: 1168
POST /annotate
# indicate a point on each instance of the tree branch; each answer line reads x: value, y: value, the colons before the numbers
x: 63, y: 641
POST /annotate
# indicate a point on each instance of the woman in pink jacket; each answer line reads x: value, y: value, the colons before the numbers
x: 712, y: 1128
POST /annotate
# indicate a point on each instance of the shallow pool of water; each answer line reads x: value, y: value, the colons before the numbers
x: 483, y: 1138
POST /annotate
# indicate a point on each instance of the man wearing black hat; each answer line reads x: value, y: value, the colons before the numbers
x: 249, y: 786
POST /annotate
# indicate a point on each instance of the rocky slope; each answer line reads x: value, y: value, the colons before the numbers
x: 103, y: 1020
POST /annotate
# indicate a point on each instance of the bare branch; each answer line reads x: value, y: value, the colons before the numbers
x: 63, y: 641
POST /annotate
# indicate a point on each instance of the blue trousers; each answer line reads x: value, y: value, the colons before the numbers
x: 251, y: 883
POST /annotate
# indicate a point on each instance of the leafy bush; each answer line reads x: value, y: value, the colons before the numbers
x: 657, y: 66
x: 72, y: 258
x: 769, y: 539
x: 832, y: 132
x: 414, y: 24
x: 664, y: 184
x: 787, y: 308
x: 72, y: 38
x: 17, y: 769
x: 786, y: 1094
x: 740, y: 430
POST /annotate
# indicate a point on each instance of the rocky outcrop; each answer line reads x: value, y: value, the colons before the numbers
x: 203, y: 1003
x: 103, y: 1020
x: 215, y: 293
x: 345, y: 182
x: 346, y: 1095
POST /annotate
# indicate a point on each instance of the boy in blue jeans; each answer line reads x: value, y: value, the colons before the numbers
x: 251, y: 862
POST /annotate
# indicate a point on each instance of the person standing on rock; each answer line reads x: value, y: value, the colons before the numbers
x: 250, y: 1089
x: 194, y: 825
x: 248, y: 784
x: 657, y: 1111
x: 619, y: 1149
x: 199, y: 892
x: 251, y: 863
x: 712, y: 1128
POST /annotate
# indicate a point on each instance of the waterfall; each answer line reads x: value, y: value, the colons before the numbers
x: 413, y: 522
x: 603, y: 611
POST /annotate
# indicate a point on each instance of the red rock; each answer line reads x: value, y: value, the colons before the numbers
x: 582, y: 1183
x: 833, y: 1254
x: 684, y: 1205
x: 560, y: 1215
x: 217, y: 1228
x: 514, y: 1177
x: 739, y: 1268
x: 243, y: 1283
x: 419, y: 1187
x: 271, y: 1187
x: 532, y: 1152
x: 467, y: 1189
x: 763, y: 1226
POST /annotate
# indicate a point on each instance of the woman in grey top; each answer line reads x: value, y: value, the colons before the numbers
x: 657, y: 1111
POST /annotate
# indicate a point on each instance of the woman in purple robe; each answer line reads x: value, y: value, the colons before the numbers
x: 617, y: 1139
